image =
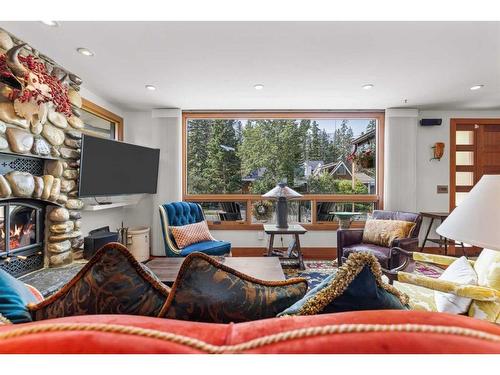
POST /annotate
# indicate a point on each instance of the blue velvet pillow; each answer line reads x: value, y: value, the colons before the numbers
x: 357, y: 285
x: 14, y: 298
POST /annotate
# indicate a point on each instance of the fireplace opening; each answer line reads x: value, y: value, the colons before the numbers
x: 21, y: 236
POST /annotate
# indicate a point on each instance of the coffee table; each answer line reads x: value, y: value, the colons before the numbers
x: 263, y: 268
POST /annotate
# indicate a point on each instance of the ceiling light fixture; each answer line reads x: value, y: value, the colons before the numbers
x: 150, y: 87
x: 258, y: 86
x: 50, y: 23
x: 368, y: 86
x: 476, y: 87
x: 85, y: 51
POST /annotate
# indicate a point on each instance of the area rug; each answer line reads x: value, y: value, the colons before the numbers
x: 317, y: 270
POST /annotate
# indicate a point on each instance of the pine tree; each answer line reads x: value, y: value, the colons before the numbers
x: 223, y: 171
x: 315, y: 142
x: 198, y: 131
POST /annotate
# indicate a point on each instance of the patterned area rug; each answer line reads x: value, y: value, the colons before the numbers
x: 317, y: 270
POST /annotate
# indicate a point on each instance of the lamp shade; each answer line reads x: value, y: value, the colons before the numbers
x: 282, y: 191
x: 476, y: 221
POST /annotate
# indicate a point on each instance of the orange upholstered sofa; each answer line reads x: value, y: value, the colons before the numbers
x: 352, y: 332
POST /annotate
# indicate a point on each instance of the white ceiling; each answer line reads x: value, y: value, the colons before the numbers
x: 303, y: 65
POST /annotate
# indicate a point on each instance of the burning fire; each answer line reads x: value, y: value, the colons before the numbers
x: 20, y: 235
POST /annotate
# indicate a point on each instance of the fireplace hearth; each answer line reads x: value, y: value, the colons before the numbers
x: 21, y: 235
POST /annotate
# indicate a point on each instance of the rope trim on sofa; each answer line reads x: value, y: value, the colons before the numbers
x: 251, y: 344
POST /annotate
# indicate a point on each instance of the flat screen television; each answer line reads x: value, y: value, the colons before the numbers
x: 110, y: 167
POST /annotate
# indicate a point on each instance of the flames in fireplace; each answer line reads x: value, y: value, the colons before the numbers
x: 21, y: 227
x: 20, y: 236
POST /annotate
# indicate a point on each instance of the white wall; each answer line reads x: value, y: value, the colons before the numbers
x: 400, y: 173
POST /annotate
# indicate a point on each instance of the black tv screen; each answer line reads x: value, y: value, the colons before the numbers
x: 114, y: 168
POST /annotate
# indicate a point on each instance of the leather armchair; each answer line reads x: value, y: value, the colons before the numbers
x: 351, y: 240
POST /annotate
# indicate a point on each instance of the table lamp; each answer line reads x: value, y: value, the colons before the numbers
x: 282, y: 193
x: 476, y: 221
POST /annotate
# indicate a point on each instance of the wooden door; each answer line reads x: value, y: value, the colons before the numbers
x: 474, y: 151
x: 488, y: 152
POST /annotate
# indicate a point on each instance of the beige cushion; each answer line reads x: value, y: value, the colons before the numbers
x: 383, y: 232
x: 487, y: 267
x: 460, y: 272
x: 189, y: 234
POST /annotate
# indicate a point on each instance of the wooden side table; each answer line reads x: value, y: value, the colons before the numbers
x: 294, y: 230
x: 441, y: 240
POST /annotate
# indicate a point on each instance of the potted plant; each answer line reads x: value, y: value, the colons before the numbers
x: 364, y: 158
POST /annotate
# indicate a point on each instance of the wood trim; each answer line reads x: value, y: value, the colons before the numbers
x: 309, y: 197
x: 242, y: 225
x: 378, y: 198
x: 108, y: 115
x: 380, y: 160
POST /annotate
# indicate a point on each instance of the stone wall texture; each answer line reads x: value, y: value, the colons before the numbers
x: 40, y: 116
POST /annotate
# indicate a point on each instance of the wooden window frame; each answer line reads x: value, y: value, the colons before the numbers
x: 101, y: 112
x: 247, y: 224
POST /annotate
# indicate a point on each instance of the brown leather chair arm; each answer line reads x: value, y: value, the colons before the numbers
x: 410, y: 244
x: 407, y: 263
x: 347, y: 237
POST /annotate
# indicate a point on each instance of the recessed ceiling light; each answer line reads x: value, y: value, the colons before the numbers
x: 85, y: 51
x: 477, y: 87
x: 258, y: 86
x: 368, y: 86
x: 50, y: 23
x: 150, y: 87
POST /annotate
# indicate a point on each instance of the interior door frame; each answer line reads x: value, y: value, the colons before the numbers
x: 454, y: 123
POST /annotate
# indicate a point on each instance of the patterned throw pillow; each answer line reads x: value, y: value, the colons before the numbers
x: 112, y: 282
x: 357, y: 285
x: 207, y: 291
x: 189, y: 234
x: 383, y: 232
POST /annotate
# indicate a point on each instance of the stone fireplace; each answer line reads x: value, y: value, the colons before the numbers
x: 40, y: 139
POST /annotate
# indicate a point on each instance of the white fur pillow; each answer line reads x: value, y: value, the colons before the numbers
x: 461, y: 272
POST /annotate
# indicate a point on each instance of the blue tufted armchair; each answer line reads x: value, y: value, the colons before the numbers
x: 183, y: 213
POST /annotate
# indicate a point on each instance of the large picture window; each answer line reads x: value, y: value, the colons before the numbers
x: 333, y: 159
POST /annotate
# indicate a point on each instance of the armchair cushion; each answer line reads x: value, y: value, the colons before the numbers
x: 357, y: 285
x: 208, y: 247
x: 189, y: 234
x: 384, y: 232
x: 208, y: 291
x: 460, y: 271
x: 381, y: 253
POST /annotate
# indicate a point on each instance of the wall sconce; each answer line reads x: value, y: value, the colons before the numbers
x: 438, y: 150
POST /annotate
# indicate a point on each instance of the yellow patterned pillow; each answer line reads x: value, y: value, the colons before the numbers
x: 383, y: 232
x: 186, y: 235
